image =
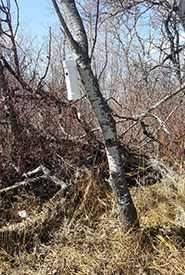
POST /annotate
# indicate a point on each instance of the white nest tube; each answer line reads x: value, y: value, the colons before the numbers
x: 71, y: 76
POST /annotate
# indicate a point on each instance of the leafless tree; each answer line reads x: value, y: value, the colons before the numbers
x: 75, y: 31
x: 130, y: 59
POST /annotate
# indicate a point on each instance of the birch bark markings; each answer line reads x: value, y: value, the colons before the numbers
x: 79, y: 44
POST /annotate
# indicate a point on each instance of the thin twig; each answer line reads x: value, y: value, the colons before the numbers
x: 96, y: 29
x: 48, y: 62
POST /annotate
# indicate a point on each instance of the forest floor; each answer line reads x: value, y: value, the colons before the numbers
x: 80, y: 231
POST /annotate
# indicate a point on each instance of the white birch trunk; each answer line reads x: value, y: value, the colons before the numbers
x: 108, y: 127
x: 101, y: 109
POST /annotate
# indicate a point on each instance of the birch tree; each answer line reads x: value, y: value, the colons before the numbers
x: 75, y: 31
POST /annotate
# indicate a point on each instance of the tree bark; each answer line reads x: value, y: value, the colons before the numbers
x: 3, y: 87
x: 78, y: 40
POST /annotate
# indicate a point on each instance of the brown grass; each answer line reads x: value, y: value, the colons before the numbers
x: 87, y: 239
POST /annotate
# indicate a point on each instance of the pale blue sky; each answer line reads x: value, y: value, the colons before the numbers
x: 37, y: 16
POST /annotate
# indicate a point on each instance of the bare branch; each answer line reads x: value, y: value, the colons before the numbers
x: 77, y: 36
x: 15, y: 74
x: 96, y: 28
x: 48, y: 63
x: 161, y: 123
x: 106, y: 58
x: 63, y: 23
x: 167, y: 97
x: 28, y: 180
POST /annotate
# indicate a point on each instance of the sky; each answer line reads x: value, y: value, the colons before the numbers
x: 37, y: 16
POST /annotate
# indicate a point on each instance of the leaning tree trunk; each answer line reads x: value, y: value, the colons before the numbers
x: 78, y: 40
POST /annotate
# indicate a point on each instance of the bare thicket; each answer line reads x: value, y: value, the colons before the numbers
x: 49, y: 144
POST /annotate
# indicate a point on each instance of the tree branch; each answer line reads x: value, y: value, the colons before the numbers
x: 46, y: 175
x: 63, y: 23
x: 96, y: 29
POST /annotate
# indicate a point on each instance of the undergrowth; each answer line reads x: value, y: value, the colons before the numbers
x: 83, y: 233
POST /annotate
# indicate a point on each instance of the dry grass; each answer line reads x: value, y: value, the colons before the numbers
x: 87, y: 238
